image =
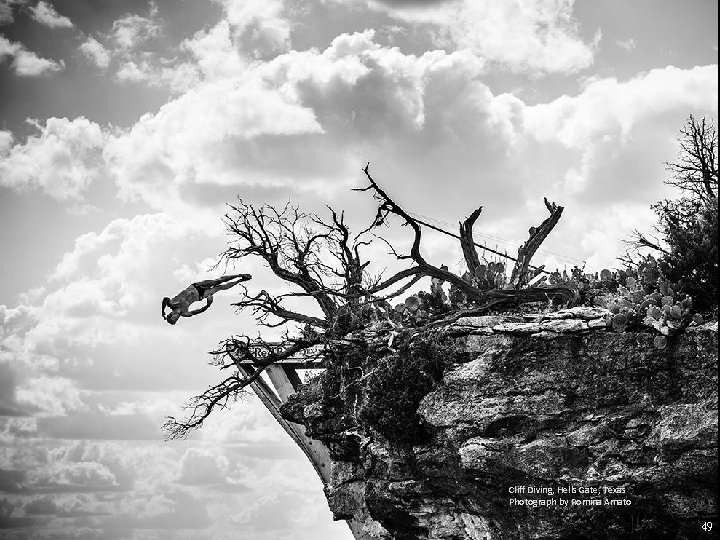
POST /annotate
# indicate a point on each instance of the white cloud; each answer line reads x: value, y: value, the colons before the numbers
x: 26, y: 63
x: 53, y: 395
x: 248, y: 31
x: 6, y: 142
x: 305, y: 119
x: 259, y: 26
x: 628, y: 44
x: 539, y: 36
x: 148, y: 69
x: 300, y: 117
x: 62, y: 160
x: 609, y: 143
x: 114, y: 277
x: 99, y: 319
x: 95, y: 52
x: 132, y: 31
x: 215, y: 53
x: 609, y: 107
x: 129, y: 71
x: 524, y: 36
x: 179, y: 145
x: 201, y: 466
x: 46, y: 14
x: 72, y: 476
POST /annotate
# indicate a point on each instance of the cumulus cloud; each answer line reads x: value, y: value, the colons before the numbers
x: 47, y: 15
x: 608, y: 106
x: 6, y: 140
x: 185, y: 141
x: 300, y: 117
x: 306, y: 119
x: 97, y: 326
x: 605, y: 120
x: 523, y: 36
x: 69, y: 477
x: 132, y: 30
x: 247, y: 32
x: 540, y: 36
x: 106, y: 289
x: 259, y: 26
x: 62, y: 160
x: 609, y: 143
x: 134, y: 37
x: 215, y: 53
x: 96, y: 52
x: 54, y: 395
x: 26, y: 63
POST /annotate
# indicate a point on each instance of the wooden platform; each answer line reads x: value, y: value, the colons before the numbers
x: 310, y: 358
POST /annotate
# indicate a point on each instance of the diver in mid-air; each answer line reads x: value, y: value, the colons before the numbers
x: 202, y: 290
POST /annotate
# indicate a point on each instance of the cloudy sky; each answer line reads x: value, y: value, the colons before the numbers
x: 127, y: 126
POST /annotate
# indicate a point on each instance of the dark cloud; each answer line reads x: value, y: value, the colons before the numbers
x: 12, y: 480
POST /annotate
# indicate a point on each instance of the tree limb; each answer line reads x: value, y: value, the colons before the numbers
x: 467, y: 243
x: 389, y: 206
x: 219, y: 395
x: 519, y: 276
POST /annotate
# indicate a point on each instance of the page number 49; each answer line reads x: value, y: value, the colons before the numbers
x: 707, y: 526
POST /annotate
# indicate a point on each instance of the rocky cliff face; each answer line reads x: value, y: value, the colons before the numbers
x: 437, y: 433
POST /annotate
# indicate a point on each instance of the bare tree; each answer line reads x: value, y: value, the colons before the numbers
x: 686, y: 234
x: 520, y: 274
x: 696, y: 168
x: 324, y: 263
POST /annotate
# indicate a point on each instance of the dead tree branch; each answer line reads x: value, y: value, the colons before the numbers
x: 696, y: 169
x: 519, y: 276
x: 389, y: 206
x: 218, y: 396
x: 468, y: 243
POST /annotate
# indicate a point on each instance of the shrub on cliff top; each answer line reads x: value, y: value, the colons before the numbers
x: 688, y: 226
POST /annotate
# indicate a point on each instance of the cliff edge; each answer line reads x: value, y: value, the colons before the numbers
x: 536, y: 426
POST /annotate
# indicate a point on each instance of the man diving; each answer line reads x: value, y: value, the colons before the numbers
x: 202, y: 290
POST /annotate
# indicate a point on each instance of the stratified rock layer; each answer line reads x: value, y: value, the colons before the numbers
x: 555, y: 401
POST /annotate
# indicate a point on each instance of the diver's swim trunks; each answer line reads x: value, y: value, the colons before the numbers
x: 200, y: 290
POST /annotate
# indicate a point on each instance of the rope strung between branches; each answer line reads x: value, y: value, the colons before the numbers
x: 505, y: 255
x: 565, y: 258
